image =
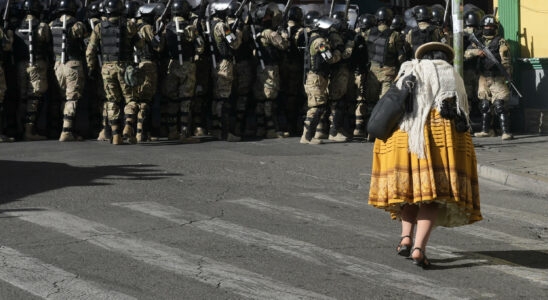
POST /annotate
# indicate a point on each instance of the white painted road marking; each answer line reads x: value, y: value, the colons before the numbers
x: 366, y: 270
x: 203, y: 269
x: 47, y: 281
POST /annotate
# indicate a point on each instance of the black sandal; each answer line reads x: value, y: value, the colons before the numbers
x: 405, y: 250
x: 423, y: 262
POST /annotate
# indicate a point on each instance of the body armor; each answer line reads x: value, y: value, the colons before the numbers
x: 114, y: 44
x: 488, y: 67
x: 222, y: 49
x: 316, y: 63
x: 377, y: 45
x: 21, y: 43
x: 420, y: 37
x: 73, y: 47
x: 271, y: 55
x: 173, y: 45
x: 146, y: 52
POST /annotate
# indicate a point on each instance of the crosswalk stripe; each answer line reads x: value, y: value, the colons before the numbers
x: 203, y: 269
x: 310, y: 217
x: 535, y: 275
x: 365, y: 270
x: 47, y: 281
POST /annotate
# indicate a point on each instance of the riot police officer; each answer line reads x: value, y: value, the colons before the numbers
x: 424, y: 33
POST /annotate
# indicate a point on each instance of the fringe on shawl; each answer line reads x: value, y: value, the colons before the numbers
x: 436, y: 81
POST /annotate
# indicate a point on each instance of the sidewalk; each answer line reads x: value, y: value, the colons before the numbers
x: 520, y: 163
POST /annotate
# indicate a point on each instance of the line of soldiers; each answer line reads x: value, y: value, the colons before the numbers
x: 209, y: 67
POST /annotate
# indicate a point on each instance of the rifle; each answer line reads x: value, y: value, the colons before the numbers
x: 31, y: 37
x: 286, y: 10
x: 346, y: 9
x: 492, y: 57
x: 5, y: 16
x: 238, y: 14
x: 446, y: 14
x: 161, y: 23
x: 257, y: 47
x: 332, y: 8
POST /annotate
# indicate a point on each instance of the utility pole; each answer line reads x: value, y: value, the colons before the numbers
x: 457, y: 8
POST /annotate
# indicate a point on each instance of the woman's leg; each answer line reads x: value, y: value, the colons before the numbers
x: 408, y: 220
x: 426, y: 217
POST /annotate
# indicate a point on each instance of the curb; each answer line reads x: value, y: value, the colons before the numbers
x: 530, y: 183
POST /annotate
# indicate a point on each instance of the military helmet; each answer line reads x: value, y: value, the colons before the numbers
x: 295, y: 14
x: 150, y: 11
x: 131, y: 8
x: 472, y: 18
x: 311, y: 17
x: 180, y: 8
x: 269, y: 15
x: 233, y: 8
x: 489, y: 20
x: 398, y: 23
x: 67, y: 6
x: 327, y: 24
x: 438, y: 13
x: 366, y: 21
x: 113, y: 7
x: 422, y: 13
x: 384, y: 14
x: 33, y: 7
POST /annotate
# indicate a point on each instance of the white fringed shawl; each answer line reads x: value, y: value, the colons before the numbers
x: 436, y: 81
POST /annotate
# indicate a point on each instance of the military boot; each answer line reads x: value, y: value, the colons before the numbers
x: 105, y: 134
x: 336, y: 119
x: 69, y: 111
x: 116, y: 134
x: 199, y: 131
x: 504, y: 120
x: 142, y: 123
x: 486, y: 131
x: 31, y: 135
x: 233, y: 138
x: 3, y: 138
x: 128, y: 135
x: 310, y: 124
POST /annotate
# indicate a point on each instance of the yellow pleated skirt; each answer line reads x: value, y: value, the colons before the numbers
x: 448, y: 175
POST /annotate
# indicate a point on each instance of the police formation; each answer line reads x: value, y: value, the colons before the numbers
x: 182, y: 70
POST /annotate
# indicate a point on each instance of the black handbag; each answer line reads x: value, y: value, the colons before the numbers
x: 389, y: 111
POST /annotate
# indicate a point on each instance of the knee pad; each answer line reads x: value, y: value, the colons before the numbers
x: 485, y: 106
x: 499, y: 107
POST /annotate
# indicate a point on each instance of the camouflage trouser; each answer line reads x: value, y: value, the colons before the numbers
x: 493, y: 88
x: 362, y: 108
x: 338, y: 82
x: 378, y: 83
x: 32, y: 84
x: 223, y: 78
x: 316, y: 91
x: 70, y: 80
x: 243, y: 81
x: 117, y: 91
x: 144, y: 93
x: 266, y: 88
x: 178, y: 87
x: 203, y: 75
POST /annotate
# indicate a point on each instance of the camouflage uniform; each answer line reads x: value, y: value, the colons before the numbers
x: 6, y: 40
x: 116, y: 44
x: 316, y: 83
x: 180, y: 82
x: 385, y: 53
x: 70, y: 74
x: 203, y: 84
x: 422, y: 34
x: 267, y: 83
x: 225, y: 42
x: 493, y: 92
x: 360, y: 62
x: 32, y: 79
x: 338, y: 83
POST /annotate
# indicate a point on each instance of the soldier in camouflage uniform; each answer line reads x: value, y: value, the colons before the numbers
x: 292, y: 70
x: 148, y: 66
x: 31, y: 48
x: 342, y: 39
x: 472, y: 20
x: 318, y: 56
x: 68, y: 35
x: 225, y: 42
x: 424, y: 33
x: 385, y: 48
x: 203, y: 83
x: 267, y: 83
x: 116, y: 38
x: 183, y: 44
x: 6, y: 40
x: 244, y: 74
x: 493, y: 91
x: 360, y: 61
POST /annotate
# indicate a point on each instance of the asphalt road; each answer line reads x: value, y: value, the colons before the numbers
x: 269, y: 220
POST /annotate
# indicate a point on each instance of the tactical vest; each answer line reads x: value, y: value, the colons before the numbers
x: 173, y: 45
x: 73, y: 47
x: 486, y: 65
x: 315, y: 63
x: 21, y: 42
x: 147, y: 51
x: 221, y: 48
x: 420, y: 37
x: 377, y: 44
x: 114, y: 42
x: 271, y: 55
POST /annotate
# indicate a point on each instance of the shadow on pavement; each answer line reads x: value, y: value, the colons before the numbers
x: 526, y: 258
x: 19, y: 179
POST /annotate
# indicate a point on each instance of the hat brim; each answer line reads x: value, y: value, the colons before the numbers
x: 435, y: 46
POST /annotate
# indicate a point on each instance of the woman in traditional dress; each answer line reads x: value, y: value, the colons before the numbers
x: 425, y: 173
